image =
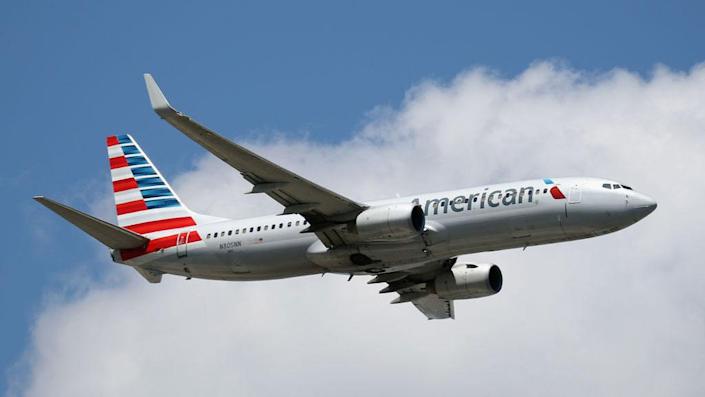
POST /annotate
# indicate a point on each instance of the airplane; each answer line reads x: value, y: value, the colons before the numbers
x: 410, y: 243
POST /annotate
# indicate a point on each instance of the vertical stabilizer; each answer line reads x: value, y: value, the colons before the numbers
x: 144, y: 201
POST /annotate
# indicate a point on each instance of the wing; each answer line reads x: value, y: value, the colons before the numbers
x: 323, y: 209
x: 435, y: 308
x: 411, y: 287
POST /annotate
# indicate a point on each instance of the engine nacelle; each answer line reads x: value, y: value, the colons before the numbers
x: 465, y: 281
x: 391, y: 222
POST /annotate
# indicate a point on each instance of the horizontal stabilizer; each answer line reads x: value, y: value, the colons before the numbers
x: 112, y: 236
x: 153, y: 276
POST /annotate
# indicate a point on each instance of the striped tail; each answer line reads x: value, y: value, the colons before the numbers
x: 144, y: 201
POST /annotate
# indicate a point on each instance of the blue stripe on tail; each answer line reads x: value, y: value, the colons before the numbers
x: 161, y: 203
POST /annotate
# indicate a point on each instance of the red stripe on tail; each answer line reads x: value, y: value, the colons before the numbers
x: 118, y: 162
x: 124, y: 184
x: 112, y: 141
x: 162, y: 224
x: 132, y: 206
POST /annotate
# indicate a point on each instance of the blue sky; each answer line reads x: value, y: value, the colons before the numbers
x: 72, y: 74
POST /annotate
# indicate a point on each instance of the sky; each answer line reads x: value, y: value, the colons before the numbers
x: 370, y: 100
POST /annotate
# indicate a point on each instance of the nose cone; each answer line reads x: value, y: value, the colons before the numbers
x: 641, y: 205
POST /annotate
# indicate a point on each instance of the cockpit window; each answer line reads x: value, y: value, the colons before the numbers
x: 615, y: 186
x: 607, y: 186
x: 627, y: 187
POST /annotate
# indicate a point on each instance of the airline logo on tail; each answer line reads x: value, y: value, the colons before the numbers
x: 144, y: 201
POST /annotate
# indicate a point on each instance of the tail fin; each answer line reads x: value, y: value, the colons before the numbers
x: 144, y: 201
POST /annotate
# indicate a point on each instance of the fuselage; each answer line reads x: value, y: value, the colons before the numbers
x: 465, y: 221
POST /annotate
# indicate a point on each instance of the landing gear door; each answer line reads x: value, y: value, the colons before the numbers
x: 182, y: 244
x: 575, y: 195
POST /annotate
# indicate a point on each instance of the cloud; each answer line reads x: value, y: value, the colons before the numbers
x: 615, y: 315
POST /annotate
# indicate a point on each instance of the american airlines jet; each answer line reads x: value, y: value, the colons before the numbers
x: 409, y: 243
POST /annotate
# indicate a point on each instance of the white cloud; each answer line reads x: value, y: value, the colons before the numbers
x: 620, y: 314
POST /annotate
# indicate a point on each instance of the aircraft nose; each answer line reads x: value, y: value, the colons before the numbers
x: 641, y: 205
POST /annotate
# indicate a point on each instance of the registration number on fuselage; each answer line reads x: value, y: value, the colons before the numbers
x: 229, y: 245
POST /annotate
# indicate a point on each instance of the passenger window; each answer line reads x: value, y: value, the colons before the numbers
x: 537, y: 191
x: 607, y: 186
x: 545, y: 191
x: 297, y: 223
x: 266, y: 227
x: 237, y: 231
x: 466, y: 199
x: 475, y: 199
x: 252, y: 229
x: 244, y: 230
x: 259, y: 228
x: 281, y: 226
x: 208, y: 236
x: 615, y: 186
x: 230, y: 232
x: 288, y: 224
x: 222, y: 234
x: 305, y: 222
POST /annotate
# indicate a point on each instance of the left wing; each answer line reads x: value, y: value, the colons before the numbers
x: 434, y: 307
x: 411, y: 287
x: 322, y: 208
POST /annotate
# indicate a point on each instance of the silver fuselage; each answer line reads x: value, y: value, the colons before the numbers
x: 465, y: 221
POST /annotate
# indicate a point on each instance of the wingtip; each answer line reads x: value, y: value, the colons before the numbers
x: 156, y: 97
x: 38, y: 198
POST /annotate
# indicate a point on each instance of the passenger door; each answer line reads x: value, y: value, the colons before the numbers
x: 182, y: 244
x: 575, y: 195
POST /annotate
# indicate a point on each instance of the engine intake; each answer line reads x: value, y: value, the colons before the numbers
x: 391, y: 222
x: 466, y: 281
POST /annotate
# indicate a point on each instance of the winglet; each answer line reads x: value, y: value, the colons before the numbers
x: 156, y: 97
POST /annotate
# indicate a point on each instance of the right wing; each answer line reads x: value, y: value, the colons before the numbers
x: 322, y: 208
x: 411, y: 287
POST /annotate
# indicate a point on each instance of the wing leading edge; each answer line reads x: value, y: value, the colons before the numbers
x: 322, y: 208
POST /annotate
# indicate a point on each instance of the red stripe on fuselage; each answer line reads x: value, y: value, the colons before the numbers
x: 131, y: 206
x: 124, y: 184
x: 156, y: 245
x: 162, y: 224
x: 118, y: 162
x: 112, y: 141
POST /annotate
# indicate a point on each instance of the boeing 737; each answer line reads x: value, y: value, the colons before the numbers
x: 409, y: 243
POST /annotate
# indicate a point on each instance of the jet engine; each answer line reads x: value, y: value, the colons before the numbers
x: 391, y: 222
x: 466, y: 281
